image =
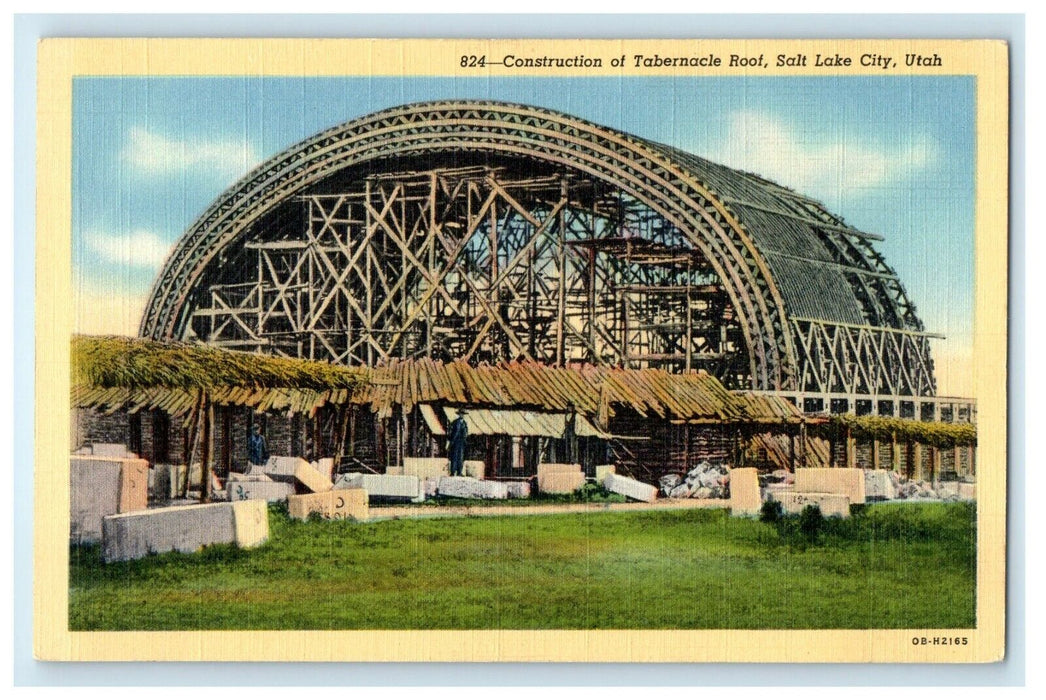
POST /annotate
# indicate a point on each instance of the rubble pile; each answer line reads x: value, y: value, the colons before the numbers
x: 706, y: 480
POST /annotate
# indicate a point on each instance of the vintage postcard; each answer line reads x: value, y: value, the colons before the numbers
x: 460, y: 350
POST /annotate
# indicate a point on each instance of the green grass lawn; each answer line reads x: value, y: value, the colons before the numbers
x: 890, y: 566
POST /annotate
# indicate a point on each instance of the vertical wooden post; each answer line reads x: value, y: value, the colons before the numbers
x: 895, y: 454
x: 561, y: 301
x: 917, y: 451
x: 851, y: 450
x: 205, y: 451
x: 803, y: 445
x: 957, y: 460
x: 791, y: 451
x: 875, y: 453
x: 935, y: 464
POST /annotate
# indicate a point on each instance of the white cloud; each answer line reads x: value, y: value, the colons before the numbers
x: 157, y: 154
x: 101, y: 309
x: 139, y: 248
x: 814, y: 163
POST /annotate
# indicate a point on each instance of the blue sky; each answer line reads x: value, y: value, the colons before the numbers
x: 891, y: 155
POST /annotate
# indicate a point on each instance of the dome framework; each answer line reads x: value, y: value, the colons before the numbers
x: 492, y: 232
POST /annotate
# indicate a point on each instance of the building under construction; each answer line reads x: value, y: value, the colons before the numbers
x: 488, y: 234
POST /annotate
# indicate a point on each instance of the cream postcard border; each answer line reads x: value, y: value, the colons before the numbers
x: 60, y: 60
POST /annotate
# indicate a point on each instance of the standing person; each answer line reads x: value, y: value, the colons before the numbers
x: 257, y: 450
x: 457, y: 434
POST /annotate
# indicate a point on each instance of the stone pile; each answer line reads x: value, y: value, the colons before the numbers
x: 706, y: 480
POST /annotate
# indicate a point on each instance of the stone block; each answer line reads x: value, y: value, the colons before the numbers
x: 560, y: 481
x: 554, y: 468
x: 426, y: 467
x: 603, y: 469
x: 394, y: 471
x: 967, y: 492
x: 94, y: 492
x: 831, y: 504
x: 431, y: 486
x: 340, y: 504
x: 878, y: 486
x: 111, y: 449
x: 185, y: 529
x: 745, y: 497
x: 296, y: 469
x: 467, y: 487
x: 100, y: 486
x: 849, y: 482
x: 258, y: 490
x: 250, y: 521
x: 474, y: 468
x: 630, y: 488
x: 384, y: 485
x: 518, y: 489
x: 236, y: 476
x: 325, y: 466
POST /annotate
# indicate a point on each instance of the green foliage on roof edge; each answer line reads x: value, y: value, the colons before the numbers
x: 120, y: 361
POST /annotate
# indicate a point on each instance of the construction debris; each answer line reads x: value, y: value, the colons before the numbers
x: 630, y: 488
x: 185, y: 529
x: 706, y: 480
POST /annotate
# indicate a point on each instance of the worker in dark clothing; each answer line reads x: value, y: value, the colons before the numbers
x: 457, y: 434
x: 257, y: 450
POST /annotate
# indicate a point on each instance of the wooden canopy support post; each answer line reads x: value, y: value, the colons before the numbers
x: 803, y: 446
x: 190, y: 441
x: 875, y: 453
x: 851, y: 450
x: 791, y: 450
x: 205, y: 450
x: 895, y: 454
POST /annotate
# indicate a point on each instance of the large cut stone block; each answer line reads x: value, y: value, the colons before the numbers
x: 101, y: 486
x: 258, y: 490
x: 878, y: 486
x: 518, y: 489
x: 553, y: 468
x: 831, y: 504
x: 394, y: 471
x: 426, y: 467
x: 474, y: 468
x: 630, y: 488
x: 325, y: 466
x: 111, y: 449
x: 602, y: 470
x: 340, y: 504
x: 236, y: 476
x: 178, y: 529
x: 849, y: 482
x: 467, y: 487
x: 250, y: 521
x: 967, y: 492
x: 297, y: 469
x: 560, y: 481
x: 745, y: 497
x: 385, y: 485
